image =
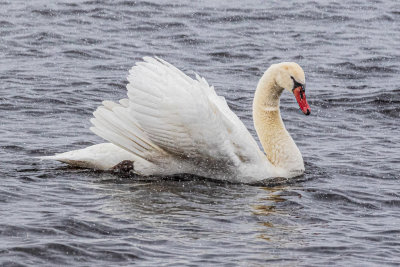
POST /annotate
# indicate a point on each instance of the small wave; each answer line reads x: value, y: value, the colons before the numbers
x: 6, y: 24
x: 141, y: 4
x: 242, y: 18
x: 327, y: 249
x: 79, y: 54
x: 380, y: 59
x: 385, y: 17
x: 341, y: 198
x: 227, y: 55
x: 188, y: 39
x: 385, y: 103
x: 40, y: 36
x: 104, y: 67
x: 12, y: 147
x: 365, y: 69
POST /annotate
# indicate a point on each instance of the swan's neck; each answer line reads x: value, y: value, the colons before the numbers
x: 278, y: 145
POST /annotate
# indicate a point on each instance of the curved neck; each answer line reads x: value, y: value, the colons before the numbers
x: 268, y: 92
x: 277, y: 143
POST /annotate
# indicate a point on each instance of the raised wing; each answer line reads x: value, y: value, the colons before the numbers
x: 169, y: 112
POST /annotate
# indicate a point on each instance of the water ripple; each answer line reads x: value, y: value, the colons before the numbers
x: 62, y: 59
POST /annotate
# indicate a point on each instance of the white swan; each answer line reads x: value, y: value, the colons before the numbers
x: 172, y: 124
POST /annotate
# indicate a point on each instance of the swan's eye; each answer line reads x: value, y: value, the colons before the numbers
x: 297, y: 84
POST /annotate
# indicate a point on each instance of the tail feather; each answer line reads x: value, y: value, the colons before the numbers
x: 101, y: 157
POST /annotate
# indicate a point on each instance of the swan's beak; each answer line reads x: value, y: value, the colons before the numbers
x: 300, y: 95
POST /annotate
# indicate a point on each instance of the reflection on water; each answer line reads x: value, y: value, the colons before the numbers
x: 274, y: 216
x: 199, y: 207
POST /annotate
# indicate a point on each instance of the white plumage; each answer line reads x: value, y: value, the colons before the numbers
x: 173, y: 124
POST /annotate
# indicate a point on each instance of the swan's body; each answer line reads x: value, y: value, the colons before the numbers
x: 172, y: 124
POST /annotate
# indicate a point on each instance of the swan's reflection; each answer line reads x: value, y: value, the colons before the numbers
x: 172, y: 196
x: 276, y: 213
x: 200, y: 209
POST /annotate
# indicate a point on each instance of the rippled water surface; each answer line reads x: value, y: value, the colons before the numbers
x: 60, y: 59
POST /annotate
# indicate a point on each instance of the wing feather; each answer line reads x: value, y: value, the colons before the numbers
x: 168, y: 111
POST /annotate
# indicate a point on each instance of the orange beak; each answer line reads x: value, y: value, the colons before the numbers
x: 300, y: 95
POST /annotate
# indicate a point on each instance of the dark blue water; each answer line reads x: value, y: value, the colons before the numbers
x: 59, y: 60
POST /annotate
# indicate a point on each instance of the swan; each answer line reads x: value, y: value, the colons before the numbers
x: 173, y: 124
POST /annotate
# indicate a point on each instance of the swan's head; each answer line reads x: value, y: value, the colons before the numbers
x: 290, y: 76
